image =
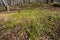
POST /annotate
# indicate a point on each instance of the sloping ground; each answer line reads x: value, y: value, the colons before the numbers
x: 14, y: 9
x: 28, y: 24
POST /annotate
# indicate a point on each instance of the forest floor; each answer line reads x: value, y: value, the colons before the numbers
x: 41, y: 23
x: 48, y: 8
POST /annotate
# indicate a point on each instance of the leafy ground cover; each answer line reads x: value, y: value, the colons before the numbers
x: 31, y: 24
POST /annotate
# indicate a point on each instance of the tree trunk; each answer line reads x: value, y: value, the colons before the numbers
x: 5, y: 4
x: 51, y: 1
x: 47, y: 1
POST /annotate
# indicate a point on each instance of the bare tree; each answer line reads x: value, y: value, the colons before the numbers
x: 51, y: 1
x: 5, y: 4
x: 47, y: 1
